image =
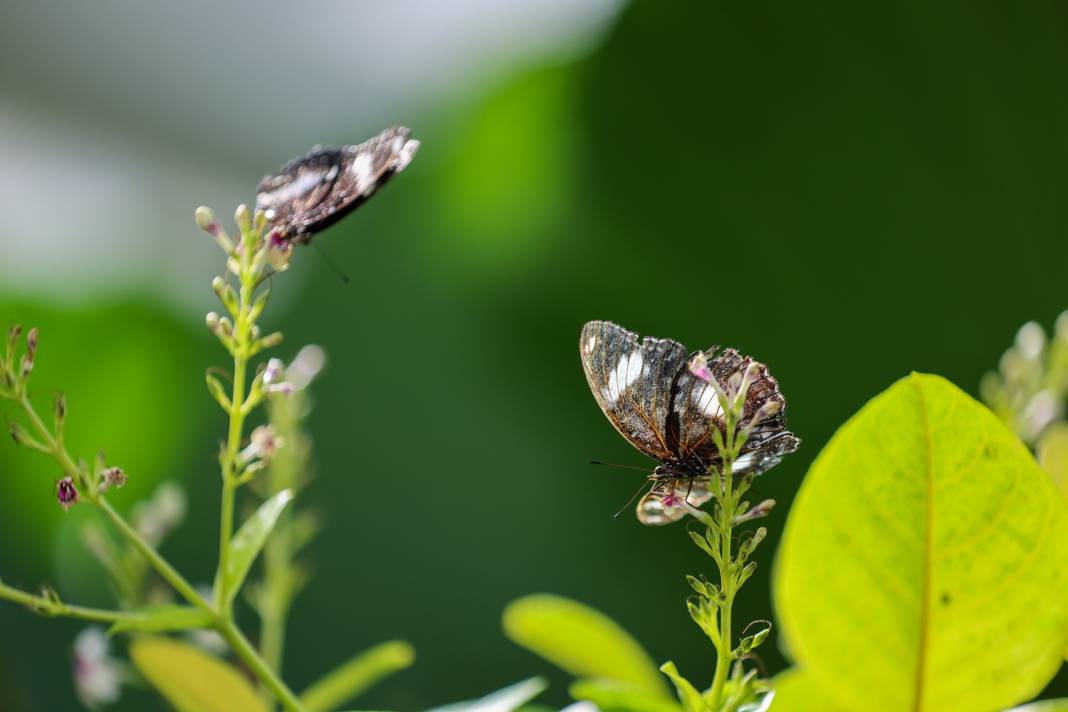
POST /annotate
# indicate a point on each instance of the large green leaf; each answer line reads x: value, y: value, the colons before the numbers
x: 926, y: 557
x: 582, y: 641
x: 248, y: 542
x: 191, y: 680
x: 356, y: 675
x: 796, y: 691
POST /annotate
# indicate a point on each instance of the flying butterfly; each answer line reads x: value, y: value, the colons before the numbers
x: 313, y: 192
x: 655, y: 402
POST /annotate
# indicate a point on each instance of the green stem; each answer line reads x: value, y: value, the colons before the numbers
x: 248, y: 654
x: 52, y: 607
x: 242, y: 337
x: 727, y: 580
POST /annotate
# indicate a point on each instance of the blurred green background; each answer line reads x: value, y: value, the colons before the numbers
x: 847, y: 192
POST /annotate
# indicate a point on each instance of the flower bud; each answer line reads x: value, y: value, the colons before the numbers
x: 66, y: 493
x: 26, y: 366
x: 275, y: 372
x: 18, y: 434
x: 13, y: 333
x: 31, y: 341
x: 760, y: 510
x: 112, y: 477
x: 243, y: 218
x: 60, y: 410
x: 225, y: 293
x: 279, y: 250
x: 765, y: 411
x: 271, y: 340
x: 207, y: 222
x: 212, y: 321
x: 698, y: 366
x: 226, y: 327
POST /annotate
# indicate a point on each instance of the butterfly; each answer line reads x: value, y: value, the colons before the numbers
x: 315, y: 191
x: 655, y: 402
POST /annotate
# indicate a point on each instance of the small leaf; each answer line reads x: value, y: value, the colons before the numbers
x: 157, y: 619
x: 614, y: 695
x: 689, y: 695
x: 507, y: 700
x: 926, y: 557
x: 582, y: 641
x: 248, y: 542
x: 357, y: 675
x: 191, y: 680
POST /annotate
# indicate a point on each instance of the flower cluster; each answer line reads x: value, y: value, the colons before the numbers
x: 1029, y: 388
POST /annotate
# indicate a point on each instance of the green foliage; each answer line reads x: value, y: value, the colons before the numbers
x: 157, y: 619
x: 582, y: 641
x: 248, y: 542
x: 925, y: 558
x: 357, y: 675
x: 191, y: 680
x: 691, y: 698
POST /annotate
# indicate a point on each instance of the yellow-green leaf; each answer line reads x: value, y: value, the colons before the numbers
x: 357, y: 675
x: 689, y: 695
x: 1053, y: 455
x: 615, y: 695
x: 926, y: 557
x: 582, y: 641
x: 191, y: 680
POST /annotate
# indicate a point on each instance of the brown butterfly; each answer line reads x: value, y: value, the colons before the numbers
x: 315, y: 191
x: 649, y: 395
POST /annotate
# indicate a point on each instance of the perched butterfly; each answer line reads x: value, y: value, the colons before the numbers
x: 315, y: 191
x: 652, y: 399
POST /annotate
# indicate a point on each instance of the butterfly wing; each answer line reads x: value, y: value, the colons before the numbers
x: 695, y: 408
x: 632, y: 382
x: 316, y: 190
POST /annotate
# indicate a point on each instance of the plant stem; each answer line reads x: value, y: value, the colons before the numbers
x: 726, y: 578
x: 60, y: 454
x: 242, y: 337
x: 53, y: 607
x: 248, y: 654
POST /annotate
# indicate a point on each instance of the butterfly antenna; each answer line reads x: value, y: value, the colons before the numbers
x: 630, y: 501
x: 622, y: 467
x: 330, y: 263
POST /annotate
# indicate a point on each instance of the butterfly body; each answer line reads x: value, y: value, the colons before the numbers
x: 314, y: 191
x: 647, y: 392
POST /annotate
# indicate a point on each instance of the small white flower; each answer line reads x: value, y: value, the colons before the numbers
x: 264, y: 443
x: 97, y: 675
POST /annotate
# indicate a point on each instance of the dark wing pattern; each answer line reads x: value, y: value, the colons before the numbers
x: 316, y: 190
x: 632, y: 383
x: 695, y: 408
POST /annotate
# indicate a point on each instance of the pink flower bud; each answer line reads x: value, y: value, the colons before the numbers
x: 66, y: 493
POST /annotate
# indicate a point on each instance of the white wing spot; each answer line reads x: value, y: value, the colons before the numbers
x: 362, y: 167
x: 706, y: 401
x: 591, y: 343
x: 625, y: 373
